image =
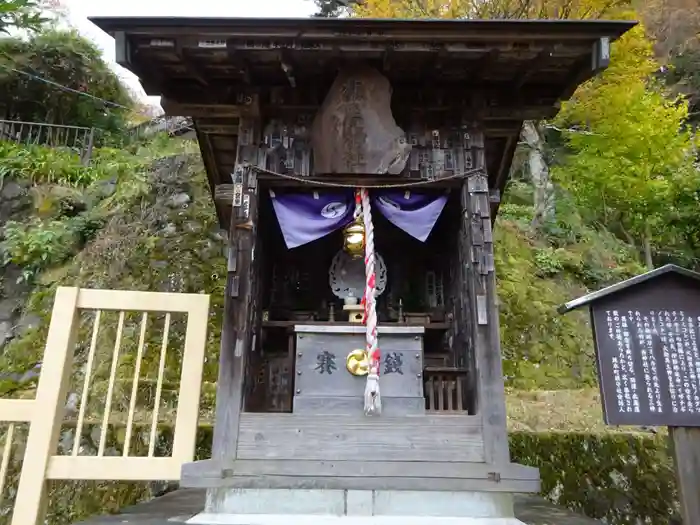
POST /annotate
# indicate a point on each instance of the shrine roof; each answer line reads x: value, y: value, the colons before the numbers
x: 628, y: 284
x: 515, y: 53
x: 495, y: 72
x: 521, y: 28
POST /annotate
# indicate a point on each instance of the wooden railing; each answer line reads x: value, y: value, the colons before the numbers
x: 77, y: 138
x: 128, y: 336
x: 446, y: 390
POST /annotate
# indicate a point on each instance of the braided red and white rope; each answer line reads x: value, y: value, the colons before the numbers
x: 373, y: 402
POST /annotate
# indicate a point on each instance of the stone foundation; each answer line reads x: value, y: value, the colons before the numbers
x: 381, y: 507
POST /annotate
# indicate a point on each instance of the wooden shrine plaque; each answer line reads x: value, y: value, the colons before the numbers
x: 648, y: 351
x: 324, y: 385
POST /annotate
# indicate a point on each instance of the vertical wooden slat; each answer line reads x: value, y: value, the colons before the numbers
x: 450, y: 394
x: 6, y: 454
x: 42, y: 441
x: 236, y: 334
x: 685, y: 447
x: 135, y: 384
x: 426, y: 391
x: 185, y: 439
x: 87, y: 152
x: 86, y: 383
x: 481, y: 283
x: 289, y: 365
x: 441, y: 392
x: 110, y: 386
x: 159, y: 385
x: 460, y: 397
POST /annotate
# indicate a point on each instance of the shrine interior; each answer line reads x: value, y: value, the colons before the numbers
x: 295, y: 290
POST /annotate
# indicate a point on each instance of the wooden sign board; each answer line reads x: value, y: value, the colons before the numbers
x: 647, y: 340
x: 648, y: 351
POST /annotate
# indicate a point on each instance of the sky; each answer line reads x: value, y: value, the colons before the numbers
x: 80, y: 10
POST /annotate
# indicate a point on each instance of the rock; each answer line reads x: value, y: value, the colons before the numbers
x: 107, y: 188
x: 13, y: 285
x: 28, y: 322
x: 179, y: 200
x: 31, y: 374
x: 72, y: 404
x: 355, y: 131
x: 66, y: 442
x: 11, y: 191
x: 220, y: 235
x: 193, y: 227
x: 8, y: 308
x: 161, y: 488
x: 6, y: 332
x: 95, y: 433
x: 170, y: 229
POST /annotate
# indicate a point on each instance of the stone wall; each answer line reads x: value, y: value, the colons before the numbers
x: 15, y: 205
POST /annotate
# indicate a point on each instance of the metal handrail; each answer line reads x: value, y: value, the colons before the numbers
x: 82, y: 139
x: 78, y: 138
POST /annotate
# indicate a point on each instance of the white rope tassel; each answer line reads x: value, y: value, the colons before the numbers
x: 373, y: 400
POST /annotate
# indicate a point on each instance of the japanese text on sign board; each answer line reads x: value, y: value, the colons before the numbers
x: 655, y: 363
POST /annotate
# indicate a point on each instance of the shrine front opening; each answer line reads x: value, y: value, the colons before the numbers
x: 307, y: 291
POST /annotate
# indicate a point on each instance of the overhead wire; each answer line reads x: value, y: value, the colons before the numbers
x: 64, y: 88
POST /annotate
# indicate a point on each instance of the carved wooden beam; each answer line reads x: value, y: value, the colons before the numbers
x: 124, y: 56
x: 192, y: 68
x: 287, y: 67
x: 250, y: 108
x: 586, y: 67
x: 425, y: 96
x: 531, y: 68
x: 216, y: 126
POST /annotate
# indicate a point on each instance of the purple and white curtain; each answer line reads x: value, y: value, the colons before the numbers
x: 306, y: 217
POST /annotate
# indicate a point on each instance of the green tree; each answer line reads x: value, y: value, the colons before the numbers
x: 624, y: 169
x: 20, y: 14
x: 60, y: 77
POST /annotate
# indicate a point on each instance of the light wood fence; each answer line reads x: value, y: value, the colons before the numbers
x: 44, y: 415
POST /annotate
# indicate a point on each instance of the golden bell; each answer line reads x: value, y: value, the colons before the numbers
x: 357, y: 363
x: 354, y: 239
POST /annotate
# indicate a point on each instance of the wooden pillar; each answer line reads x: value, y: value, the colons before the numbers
x: 685, y: 445
x: 479, y: 307
x: 238, y: 323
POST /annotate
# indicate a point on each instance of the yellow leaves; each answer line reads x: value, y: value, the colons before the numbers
x: 631, y: 65
x: 635, y: 147
x: 484, y: 9
x: 412, y: 9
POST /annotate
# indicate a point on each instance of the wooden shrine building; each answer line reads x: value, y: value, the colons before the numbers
x: 329, y: 143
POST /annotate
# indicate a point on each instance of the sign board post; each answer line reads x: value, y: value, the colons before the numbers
x: 647, y: 340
